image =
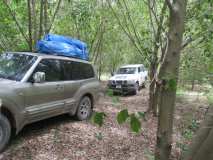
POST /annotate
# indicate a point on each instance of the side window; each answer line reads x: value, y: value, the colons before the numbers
x: 81, y: 71
x: 139, y: 69
x: 76, y: 71
x: 67, y: 69
x: 51, y: 68
x: 142, y: 69
x: 87, y: 70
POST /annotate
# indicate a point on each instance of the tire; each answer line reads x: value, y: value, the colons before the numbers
x: 5, y: 132
x: 84, y: 110
x: 136, y: 88
x: 144, y: 85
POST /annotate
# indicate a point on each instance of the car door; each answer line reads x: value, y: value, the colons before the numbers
x: 72, y: 83
x: 45, y: 99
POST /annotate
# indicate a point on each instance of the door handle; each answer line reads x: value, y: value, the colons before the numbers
x: 59, y: 87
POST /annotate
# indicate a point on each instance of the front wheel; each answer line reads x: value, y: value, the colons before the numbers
x: 5, y: 132
x: 144, y: 85
x: 136, y: 88
x: 84, y: 110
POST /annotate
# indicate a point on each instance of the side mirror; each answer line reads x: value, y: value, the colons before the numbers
x: 39, y: 77
x: 112, y: 73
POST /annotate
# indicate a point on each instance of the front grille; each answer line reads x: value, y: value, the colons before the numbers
x: 118, y: 82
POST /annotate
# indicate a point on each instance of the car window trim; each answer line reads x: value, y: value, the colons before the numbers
x: 39, y: 59
x: 31, y: 70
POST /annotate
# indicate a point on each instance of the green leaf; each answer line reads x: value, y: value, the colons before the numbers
x: 135, y: 123
x: 98, y: 118
x: 122, y: 116
x: 115, y: 99
x: 172, y: 84
x: 141, y: 114
x: 210, y: 68
x: 99, y: 136
x: 109, y: 92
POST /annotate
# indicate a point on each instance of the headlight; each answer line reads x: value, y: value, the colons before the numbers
x: 110, y: 82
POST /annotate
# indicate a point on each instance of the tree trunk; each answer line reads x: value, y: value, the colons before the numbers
x: 29, y: 24
x: 34, y: 23
x: 153, y: 67
x: 152, y: 95
x: 168, y: 77
x: 45, y: 17
x: 41, y: 19
x: 202, y: 144
x: 193, y: 84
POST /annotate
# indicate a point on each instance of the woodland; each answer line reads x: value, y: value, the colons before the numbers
x: 172, y: 118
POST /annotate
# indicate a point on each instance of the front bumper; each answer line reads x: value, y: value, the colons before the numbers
x: 122, y: 88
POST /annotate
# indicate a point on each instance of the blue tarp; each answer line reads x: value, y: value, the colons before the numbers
x: 63, y: 46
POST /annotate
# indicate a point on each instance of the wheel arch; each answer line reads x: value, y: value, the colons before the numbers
x: 10, y: 116
x: 90, y: 95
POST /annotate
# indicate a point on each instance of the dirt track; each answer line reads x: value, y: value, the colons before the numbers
x: 63, y: 138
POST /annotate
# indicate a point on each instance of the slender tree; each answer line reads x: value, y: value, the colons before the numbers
x: 35, y: 24
x: 168, y: 77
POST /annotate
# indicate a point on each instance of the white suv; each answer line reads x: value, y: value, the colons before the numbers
x: 128, y: 78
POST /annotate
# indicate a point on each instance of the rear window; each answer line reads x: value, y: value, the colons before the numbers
x: 77, y: 70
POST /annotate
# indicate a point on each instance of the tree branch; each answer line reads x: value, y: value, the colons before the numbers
x: 95, y: 36
x: 29, y: 24
x: 127, y: 31
x: 123, y: 28
x: 2, y: 47
x: 41, y: 18
x: 169, y: 4
x: 16, y: 21
x: 137, y: 35
x: 54, y: 15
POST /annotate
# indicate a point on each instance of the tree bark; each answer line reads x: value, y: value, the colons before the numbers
x: 168, y: 77
x: 154, y: 62
x: 152, y: 92
x: 193, y: 84
x: 34, y: 24
x: 45, y: 17
x: 29, y: 24
x: 41, y: 19
x: 202, y: 143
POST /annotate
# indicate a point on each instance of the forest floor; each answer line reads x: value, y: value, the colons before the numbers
x: 63, y: 138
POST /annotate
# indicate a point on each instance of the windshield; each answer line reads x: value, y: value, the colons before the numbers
x: 14, y: 66
x: 129, y: 70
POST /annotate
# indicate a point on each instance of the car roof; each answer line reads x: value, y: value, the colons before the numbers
x: 132, y: 65
x: 44, y: 56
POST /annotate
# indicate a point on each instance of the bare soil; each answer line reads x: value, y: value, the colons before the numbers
x: 63, y: 138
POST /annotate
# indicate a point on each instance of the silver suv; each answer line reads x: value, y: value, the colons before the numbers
x: 37, y: 86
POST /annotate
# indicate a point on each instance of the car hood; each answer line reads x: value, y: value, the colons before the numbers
x: 6, y: 83
x: 123, y: 77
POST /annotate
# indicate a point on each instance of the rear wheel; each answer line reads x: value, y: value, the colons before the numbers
x: 84, y: 109
x: 5, y: 132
